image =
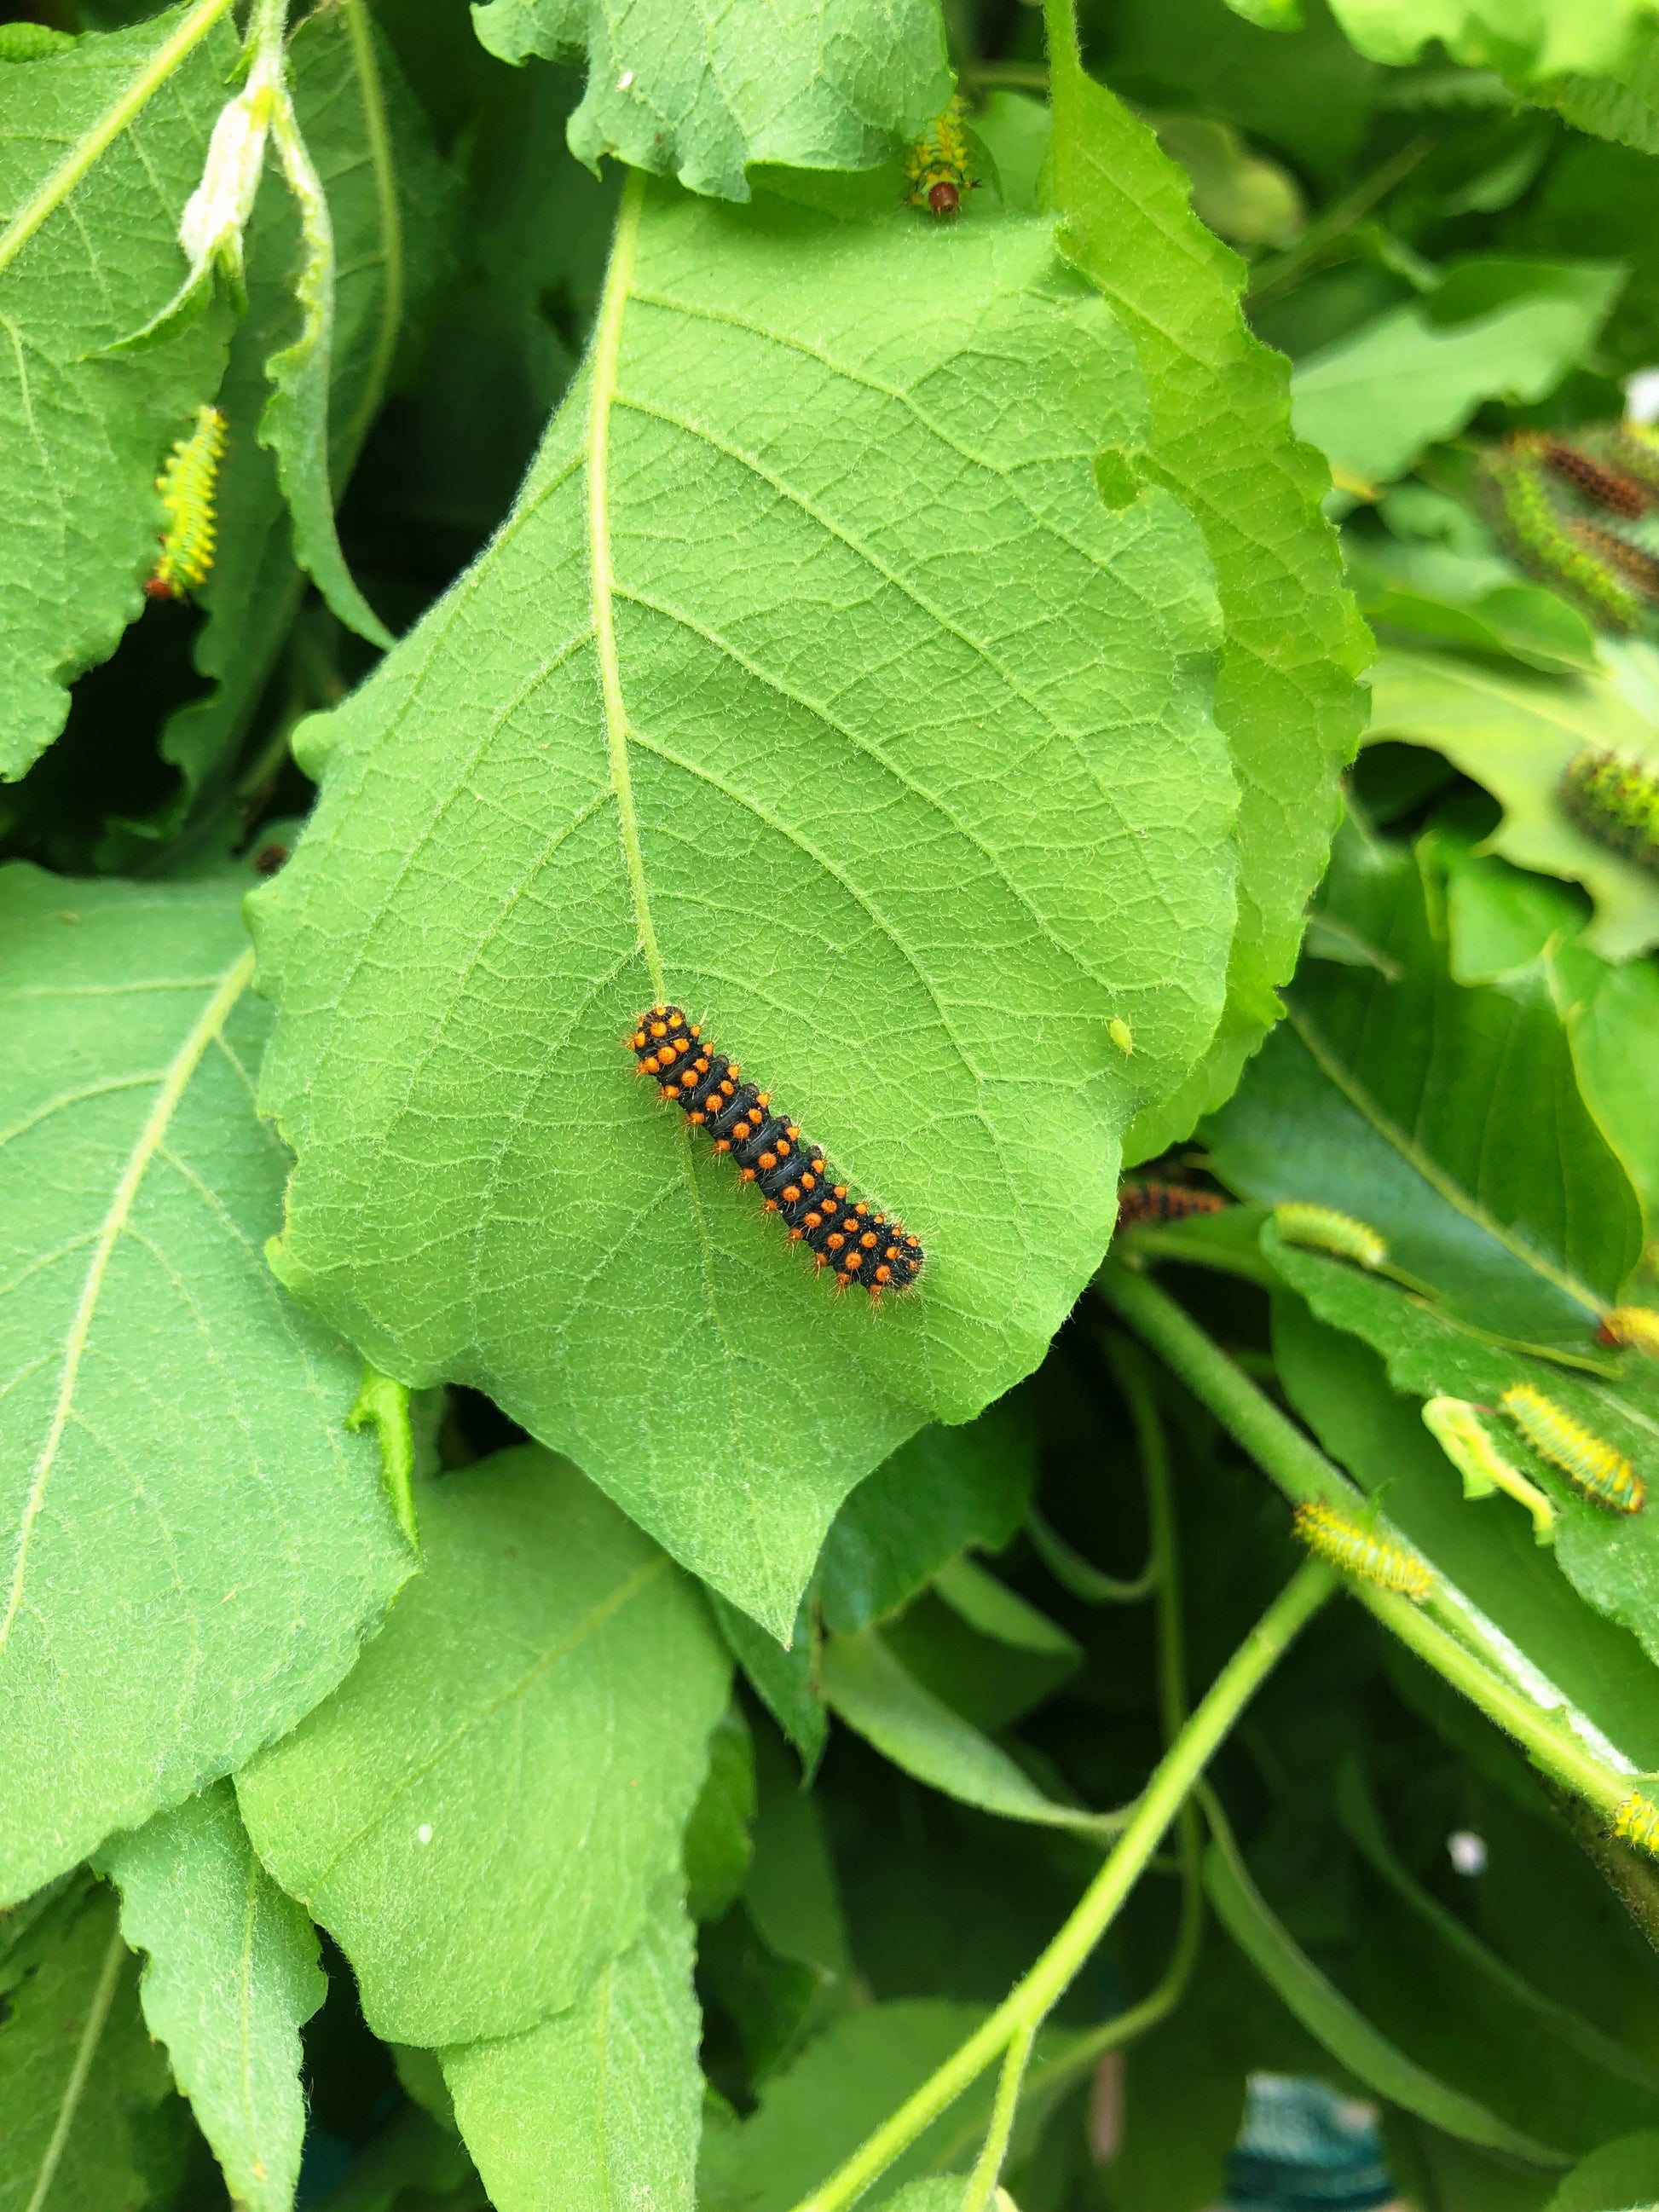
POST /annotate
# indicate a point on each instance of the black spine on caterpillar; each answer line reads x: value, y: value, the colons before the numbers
x: 794, y: 1180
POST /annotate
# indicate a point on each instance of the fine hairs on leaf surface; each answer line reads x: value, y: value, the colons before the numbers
x: 956, y: 654
x: 232, y: 1978
x: 483, y: 1812
x: 141, y: 1329
x: 814, y: 84
x: 82, y: 435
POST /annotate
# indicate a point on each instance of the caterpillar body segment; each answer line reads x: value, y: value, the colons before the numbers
x: 187, y: 485
x: 1457, y: 1428
x: 1595, y: 480
x: 1595, y: 1470
x: 1615, y: 800
x: 938, y: 168
x: 1637, y: 1823
x: 1536, y: 533
x: 1332, y: 1536
x: 1323, y: 1229
x: 1145, y: 1199
x: 1635, y: 1328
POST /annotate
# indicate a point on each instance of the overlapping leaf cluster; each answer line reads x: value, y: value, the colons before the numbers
x: 511, y: 1693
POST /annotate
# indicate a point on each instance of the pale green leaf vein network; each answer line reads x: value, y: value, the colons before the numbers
x: 1437, y: 1180
x: 607, y: 352
x: 589, y: 1625
x: 207, y: 1027
x: 85, y: 2051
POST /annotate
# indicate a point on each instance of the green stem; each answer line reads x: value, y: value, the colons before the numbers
x: 1086, y: 1581
x: 988, y: 2168
x: 1150, y: 1241
x: 361, y: 33
x: 50, y: 196
x: 1278, y: 275
x: 1034, y: 1999
x: 1303, y: 1472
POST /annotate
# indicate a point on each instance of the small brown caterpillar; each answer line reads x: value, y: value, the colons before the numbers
x: 1602, y: 486
x: 1635, y: 1328
x: 1595, y: 1469
x: 1152, y: 1201
x: 1332, y: 1536
x: 1634, y: 562
x: 1637, y: 1823
x: 1322, y: 1229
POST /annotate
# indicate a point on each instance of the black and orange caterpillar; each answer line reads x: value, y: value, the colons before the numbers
x: 795, y: 1179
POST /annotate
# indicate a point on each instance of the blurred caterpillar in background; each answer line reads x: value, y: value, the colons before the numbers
x: 1595, y: 480
x: 1322, y: 1229
x: 1637, y: 1823
x: 1636, y: 1328
x: 186, y: 485
x: 1566, y: 554
x: 1150, y: 1200
x: 1344, y: 1544
x: 1614, y: 801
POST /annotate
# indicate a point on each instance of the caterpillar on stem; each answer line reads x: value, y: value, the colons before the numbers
x: 1323, y: 1229
x: 1595, y: 1469
x: 1637, y: 1823
x: 186, y: 485
x: 1456, y: 1427
x: 1331, y: 1536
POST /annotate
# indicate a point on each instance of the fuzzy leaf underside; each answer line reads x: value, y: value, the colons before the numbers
x: 1219, y: 436
x: 906, y: 772
x: 82, y: 435
x: 483, y: 1812
x: 812, y: 84
x: 171, y: 1425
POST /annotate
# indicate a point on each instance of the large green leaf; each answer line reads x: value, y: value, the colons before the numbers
x: 816, y: 84
x: 934, y: 728
x: 1219, y: 435
x: 1449, y: 1117
x: 1515, y: 731
x: 1374, y: 400
x: 599, y: 2108
x: 481, y: 1812
x: 874, y: 1692
x: 80, y: 2080
x: 1531, y: 41
x: 82, y: 263
x: 171, y: 1427
x: 232, y: 1978
x: 388, y: 269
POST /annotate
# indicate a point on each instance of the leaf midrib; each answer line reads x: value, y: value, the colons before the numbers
x: 174, y: 1082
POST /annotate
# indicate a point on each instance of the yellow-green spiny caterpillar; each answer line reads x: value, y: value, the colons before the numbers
x: 186, y: 485
x: 1614, y: 801
x: 1456, y: 1427
x: 1322, y: 1229
x: 1595, y: 1469
x: 1332, y: 1536
x: 1636, y: 1328
x: 1637, y: 1822
x: 1562, y: 552
x: 937, y: 168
